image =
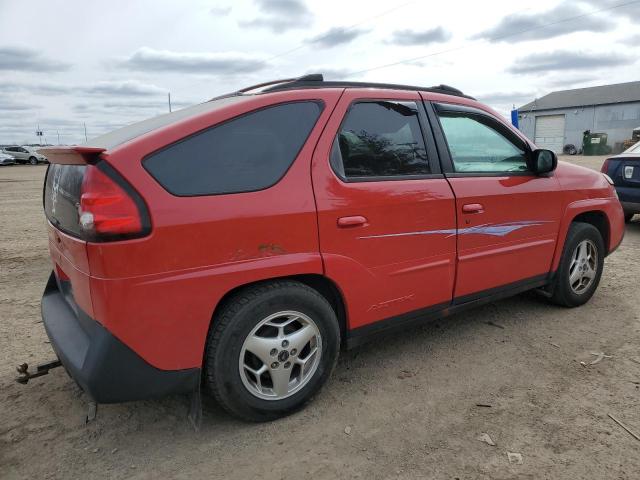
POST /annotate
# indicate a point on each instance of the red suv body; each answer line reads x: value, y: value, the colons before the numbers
x: 177, y: 242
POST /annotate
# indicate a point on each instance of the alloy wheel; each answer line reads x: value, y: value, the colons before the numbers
x: 280, y: 355
x: 583, y: 267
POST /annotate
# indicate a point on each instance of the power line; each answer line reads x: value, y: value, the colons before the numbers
x: 500, y: 37
x: 351, y: 27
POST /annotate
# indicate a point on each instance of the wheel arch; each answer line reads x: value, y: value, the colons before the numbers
x: 591, y: 212
x: 598, y: 219
x: 320, y: 283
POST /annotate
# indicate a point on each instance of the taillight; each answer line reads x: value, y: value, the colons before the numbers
x: 109, y: 208
x: 605, y: 166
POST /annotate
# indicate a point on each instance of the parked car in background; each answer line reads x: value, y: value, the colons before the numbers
x: 6, y: 159
x: 25, y: 154
x: 240, y: 243
x: 624, y: 169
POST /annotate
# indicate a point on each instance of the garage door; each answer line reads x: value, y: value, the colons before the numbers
x: 550, y: 132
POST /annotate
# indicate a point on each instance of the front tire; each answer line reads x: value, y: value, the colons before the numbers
x: 581, y: 266
x: 33, y: 160
x: 270, y: 350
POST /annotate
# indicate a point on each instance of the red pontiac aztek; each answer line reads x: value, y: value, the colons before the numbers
x: 238, y: 244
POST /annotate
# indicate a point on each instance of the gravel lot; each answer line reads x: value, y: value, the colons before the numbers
x: 410, y: 402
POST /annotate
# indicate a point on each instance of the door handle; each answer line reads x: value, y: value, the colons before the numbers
x: 353, y: 221
x: 473, y: 208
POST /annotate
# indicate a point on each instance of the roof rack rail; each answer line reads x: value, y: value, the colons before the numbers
x: 316, y: 80
x: 311, y: 77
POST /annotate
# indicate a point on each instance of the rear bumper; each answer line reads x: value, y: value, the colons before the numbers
x: 629, y: 198
x: 631, y: 207
x: 103, y: 366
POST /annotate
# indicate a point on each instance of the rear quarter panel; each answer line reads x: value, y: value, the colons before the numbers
x: 158, y: 293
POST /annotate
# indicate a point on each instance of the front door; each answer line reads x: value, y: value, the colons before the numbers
x: 508, y: 218
x: 386, y: 213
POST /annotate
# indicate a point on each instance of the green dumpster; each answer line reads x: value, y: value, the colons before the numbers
x: 595, y: 144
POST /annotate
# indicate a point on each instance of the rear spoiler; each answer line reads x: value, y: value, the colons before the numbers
x: 73, y: 155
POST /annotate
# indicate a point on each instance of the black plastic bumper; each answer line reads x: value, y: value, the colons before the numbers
x: 104, y: 367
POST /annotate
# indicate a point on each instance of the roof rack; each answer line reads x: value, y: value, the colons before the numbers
x: 316, y: 80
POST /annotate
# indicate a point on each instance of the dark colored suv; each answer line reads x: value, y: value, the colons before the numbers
x: 240, y: 243
x: 624, y: 169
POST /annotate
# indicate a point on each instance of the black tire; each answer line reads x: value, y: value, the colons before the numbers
x: 33, y: 160
x: 563, y: 294
x: 628, y: 217
x: 236, y: 320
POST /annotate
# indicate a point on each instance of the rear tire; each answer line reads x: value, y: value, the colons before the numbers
x: 628, y: 217
x: 282, y: 322
x: 581, y: 266
x: 33, y: 160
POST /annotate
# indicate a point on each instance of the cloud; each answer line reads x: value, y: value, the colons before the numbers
x: 330, y: 73
x: 420, y: 37
x: 566, y: 60
x: 124, y: 89
x: 7, y: 104
x: 505, y: 98
x: 571, y: 82
x: 520, y: 27
x: 336, y: 36
x: 220, y: 11
x: 121, y: 88
x: 633, y: 40
x: 21, y: 59
x: 624, y: 8
x: 224, y: 63
x: 280, y: 15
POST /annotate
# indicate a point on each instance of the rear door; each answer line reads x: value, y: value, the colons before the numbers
x: 508, y: 218
x: 386, y: 213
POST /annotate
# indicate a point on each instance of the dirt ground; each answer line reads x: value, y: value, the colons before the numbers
x: 411, y: 401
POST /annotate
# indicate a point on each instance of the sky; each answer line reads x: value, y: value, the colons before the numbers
x: 67, y: 64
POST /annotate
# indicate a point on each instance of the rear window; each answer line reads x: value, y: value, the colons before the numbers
x: 247, y: 153
x: 62, y: 196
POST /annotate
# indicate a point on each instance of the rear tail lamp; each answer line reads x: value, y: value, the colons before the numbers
x: 605, y: 166
x: 110, y: 209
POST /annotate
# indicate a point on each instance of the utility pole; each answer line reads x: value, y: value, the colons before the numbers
x: 85, y: 132
x: 58, y: 132
x: 169, y: 96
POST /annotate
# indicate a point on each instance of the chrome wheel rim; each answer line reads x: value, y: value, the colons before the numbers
x: 280, y: 355
x: 583, y: 267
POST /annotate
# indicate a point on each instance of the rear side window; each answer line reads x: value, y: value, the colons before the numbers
x: 247, y: 153
x: 380, y: 139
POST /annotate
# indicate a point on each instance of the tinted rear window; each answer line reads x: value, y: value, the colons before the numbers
x: 247, y: 153
x: 62, y: 196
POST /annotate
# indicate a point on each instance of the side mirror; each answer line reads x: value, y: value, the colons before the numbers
x: 543, y: 161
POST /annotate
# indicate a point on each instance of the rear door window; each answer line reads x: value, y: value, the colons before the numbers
x: 248, y: 153
x: 380, y: 139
